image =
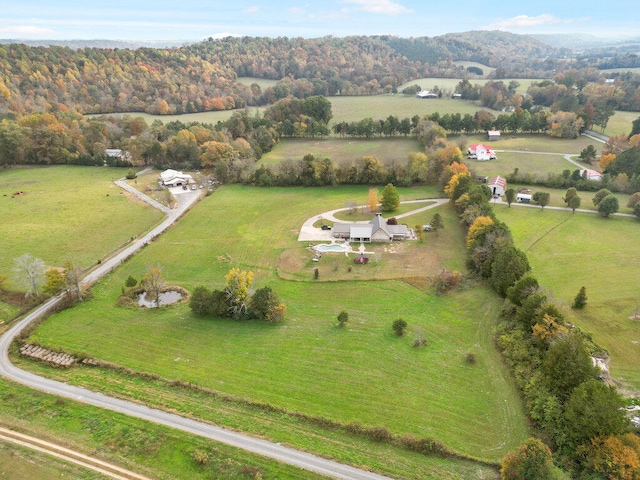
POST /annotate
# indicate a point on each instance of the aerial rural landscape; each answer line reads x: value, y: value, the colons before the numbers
x: 304, y: 249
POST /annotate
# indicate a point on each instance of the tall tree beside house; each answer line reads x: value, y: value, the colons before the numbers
x: 510, y: 196
x: 390, y: 198
x: 372, y: 200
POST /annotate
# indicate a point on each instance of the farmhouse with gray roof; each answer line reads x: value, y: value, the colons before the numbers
x: 377, y: 230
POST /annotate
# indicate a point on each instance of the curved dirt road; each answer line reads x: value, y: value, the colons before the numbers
x: 272, y: 450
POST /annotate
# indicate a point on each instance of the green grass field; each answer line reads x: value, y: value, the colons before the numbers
x: 568, y: 251
x: 18, y: 463
x: 449, y: 84
x: 308, y: 364
x: 343, y: 149
x: 63, y: 213
x: 621, y: 123
x: 262, y: 82
x: 144, y: 447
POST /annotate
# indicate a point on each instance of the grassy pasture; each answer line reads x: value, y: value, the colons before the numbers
x: 568, y: 251
x: 532, y: 143
x: 351, y: 109
x: 621, y: 123
x: 65, y: 213
x: 506, y: 162
x: 343, y: 149
x: 308, y: 364
x: 487, y: 70
x: 264, y: 83
x: 586, y: 197
x: 144, y: 447
x: 449, y: 84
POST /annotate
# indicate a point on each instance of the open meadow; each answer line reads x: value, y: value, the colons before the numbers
x: 449, y: 84
x: 66, y: 213
x: 568, y: 251
x: 343, y: 149
x: 308, y: 364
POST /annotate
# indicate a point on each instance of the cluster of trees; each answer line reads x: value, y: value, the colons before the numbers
x: 368, y: 127
x: 31, y: 274
x: 235, y: 300
x: 551, y: 360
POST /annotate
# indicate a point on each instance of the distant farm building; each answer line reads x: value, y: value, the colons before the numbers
x: 173, y: 178
x: 456, y: 96
x: 523, y: 198
x: 591, y: 174
x: 426, y: 94
x: 493, y: 135
x: 117, y: 153
x: 481, y: 152
x: 498, y: 185
x: 376, y: 230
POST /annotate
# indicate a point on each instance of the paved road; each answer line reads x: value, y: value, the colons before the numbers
x: 245, y: 442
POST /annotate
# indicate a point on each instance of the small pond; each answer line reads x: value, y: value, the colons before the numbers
x: 166, y: 298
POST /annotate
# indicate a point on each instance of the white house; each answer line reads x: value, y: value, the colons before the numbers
x: 591, y: 174
x: 426, y: 94
x: 173, y: 178
x: 498, y: 185
x: 376, y: 230
x: 481, y: 152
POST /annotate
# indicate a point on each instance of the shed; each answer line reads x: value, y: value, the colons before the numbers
x: 498, y: 185
x: 523, y: 198
x: 493, y: 135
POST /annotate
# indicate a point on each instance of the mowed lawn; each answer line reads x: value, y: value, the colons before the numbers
x: 66, y: 213
x: 358, y: 373
x: 569, y: 251
x: 343, y: 149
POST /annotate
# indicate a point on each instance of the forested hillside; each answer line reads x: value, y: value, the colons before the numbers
x: 202, y: 76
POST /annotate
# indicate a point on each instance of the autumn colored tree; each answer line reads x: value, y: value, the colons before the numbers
x: 479, y: 226
x: 532, y: 461
x: 565, y: 125
x: 53, y: 281
x: 633, y: 200
x: 547, y: 329
x: 606, y: 159
x: 613, y: 456
x: 237, y: 290
x: 73, y: 281
x: 616, y: 144
x: 372, y: 200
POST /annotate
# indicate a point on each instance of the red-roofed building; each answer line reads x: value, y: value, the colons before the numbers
x: 498, y: 185
x: 481, y: 152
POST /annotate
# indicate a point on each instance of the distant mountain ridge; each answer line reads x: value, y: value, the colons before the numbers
x: 100, y: 43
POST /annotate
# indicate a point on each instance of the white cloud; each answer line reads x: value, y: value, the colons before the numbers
x: 525, y: 21
x: 297, y: 11
x: 384, y: 7
x: 26, y: 31
x: 251, y: 10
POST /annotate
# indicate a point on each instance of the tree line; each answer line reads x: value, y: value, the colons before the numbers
x: 577, y: 415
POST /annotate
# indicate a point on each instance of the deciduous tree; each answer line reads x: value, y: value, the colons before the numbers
x: 153, y: 283
x: 237, y: 290
x: 29, y: 272
x: 608, y: 206
x: 398, y: 326
x: 532, y: 461
x: 372, y: 200
x: 436, y: 223
x: 574, y: 203
x: 510, y: 196
x: 390, y: 198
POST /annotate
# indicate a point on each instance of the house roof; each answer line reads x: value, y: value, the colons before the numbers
x: 475, y: 147
x: 169, y: 175
x: 591, y: 174
x: 498, y: 181
x: 379, y: 223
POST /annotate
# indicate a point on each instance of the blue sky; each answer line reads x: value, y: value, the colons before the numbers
x: 199, y: 19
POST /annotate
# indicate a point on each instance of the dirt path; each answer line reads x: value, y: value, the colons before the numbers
x: 68, y: 455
